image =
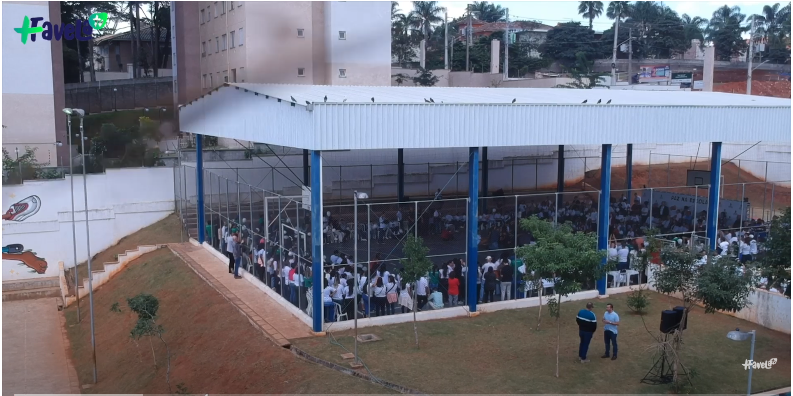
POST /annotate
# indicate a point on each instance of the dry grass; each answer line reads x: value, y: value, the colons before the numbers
x: 502, y: 352
x: 215, y: 349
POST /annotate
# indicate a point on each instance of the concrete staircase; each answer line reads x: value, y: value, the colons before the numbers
x: 28, y: 289
x: 100, y: 277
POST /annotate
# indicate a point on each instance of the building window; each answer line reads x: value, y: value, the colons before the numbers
x: 204, y: 49
x: 210, y: 81
x: 240, y: 5
x: 342, y: 35
x: 301, y: 72
x: 217, y: 44
x: 216, y: 9
x: 204, y: 81
x: 242, y: 74
x: 222, y: 7
x: 233, y: 73
x: 209, y: 14
x: 210, y: 46
x: 342, y: 73
x: 241, y: 37
x: 231, y: 34
x: 224, y: 42
x: 202, y: 15
x: 231, y: 5
x: 225, y: 76
x: 300, y: 33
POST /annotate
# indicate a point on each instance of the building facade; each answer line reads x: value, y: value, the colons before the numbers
x: 33, y: 90
x: 319, y: 43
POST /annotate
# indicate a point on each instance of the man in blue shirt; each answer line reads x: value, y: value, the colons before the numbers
x: 611, y: 320
x: 587, y: 324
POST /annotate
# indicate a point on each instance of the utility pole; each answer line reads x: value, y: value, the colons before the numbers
x: 446, y: 40
x: 506, y: 46
x: 614, y: 51
x: 630, y: 56
x: 751, y: 56
x: 468, y: 41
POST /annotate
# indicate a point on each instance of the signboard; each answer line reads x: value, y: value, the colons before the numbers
x: 654, y: 73
x: 682, y: 77
x: 695, y: 204
x: 306, y: 198
x: 699, y: 84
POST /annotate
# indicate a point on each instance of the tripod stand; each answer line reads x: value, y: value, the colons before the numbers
x: 662, y: 371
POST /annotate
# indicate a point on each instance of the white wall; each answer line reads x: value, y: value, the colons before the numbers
x: 366, y: 52
x: 120, y: 202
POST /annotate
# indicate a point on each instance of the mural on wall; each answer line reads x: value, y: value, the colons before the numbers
x: 28, y: 258
x: 23, y: 209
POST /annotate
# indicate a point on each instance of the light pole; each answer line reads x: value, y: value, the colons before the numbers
x: 81, y: 114
x: 159, y: 115
x: 357, y: 195
x: 74, y: 232
x: 19, y: 164
x: 739, y: 335
x: 114, y: 99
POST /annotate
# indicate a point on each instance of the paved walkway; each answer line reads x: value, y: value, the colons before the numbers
x: 36, y: 355
x: 275, y: 321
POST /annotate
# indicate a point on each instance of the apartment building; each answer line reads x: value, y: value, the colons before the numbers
x: 33, y: 90
x: 321, y: 43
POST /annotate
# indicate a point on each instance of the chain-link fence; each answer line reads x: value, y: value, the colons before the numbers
x: 275, y: 232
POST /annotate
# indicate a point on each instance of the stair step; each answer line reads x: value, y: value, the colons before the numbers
x: 31, y: 293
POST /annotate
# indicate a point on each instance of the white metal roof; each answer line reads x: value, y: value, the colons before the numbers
x: 399, y: 117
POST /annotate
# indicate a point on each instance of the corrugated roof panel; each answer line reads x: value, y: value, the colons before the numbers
x: 476, y: 117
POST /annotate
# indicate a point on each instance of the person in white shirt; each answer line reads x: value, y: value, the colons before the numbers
x: 285, y: 280
x: 622, y: 257
x: 230, y: 252
x: 488, y: 264
x: 327, y: 302
x: 612, y: 253
x: 746, y: 252
x: 753, y: 248
x: 725, y: 247
x: 379, y: 296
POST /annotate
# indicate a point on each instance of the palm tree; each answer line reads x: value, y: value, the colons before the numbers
x: 725, y: 29
x: 590, y: 10
x: 618, y: 9
x: 426, y: 14
x: 694, y: 28
x: 487, y: 12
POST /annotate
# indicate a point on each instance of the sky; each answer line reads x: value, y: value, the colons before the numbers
x: 552, y: 12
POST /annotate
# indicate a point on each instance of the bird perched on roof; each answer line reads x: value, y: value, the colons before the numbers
x: 514, y: 100
x: 584, y: 101
x: 372, y: 99
x: 325, y: 98
x: 308, y: 103
x: 608, y: 101
x: 432, y: 101
x: 599, y: 100
x: 293, y: 98
x: 344, y: 101
x: 426, y: 101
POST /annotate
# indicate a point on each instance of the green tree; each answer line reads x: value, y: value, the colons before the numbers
x: 725, y: 30
x: 637, y: 300
x: 584, y: 75
x: 564, y: 42
x: 487, y: 12
x: 590, y: 10
x: 775, y: 262
x: 427, y: 13
x: 146, y: 307
x: 425, y: 78
x: 773, y: 26
x: 694, y: 28
x: 571, y: 259
x: 415, y: 264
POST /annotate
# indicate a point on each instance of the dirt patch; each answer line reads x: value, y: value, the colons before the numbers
x: 777, y: 89
x: 215, y: 349
x: 502, y: 352
x: 164, y: 231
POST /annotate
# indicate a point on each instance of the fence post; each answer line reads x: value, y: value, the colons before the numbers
x: 743, y: 193
x: 650, y: 171
x: 668, y: 165
x: 773, y: 187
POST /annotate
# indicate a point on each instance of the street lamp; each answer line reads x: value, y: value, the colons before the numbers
x: 19, y: 164
x: 74, y: 232
x: 81, y: 113
x: 739, y: 335
x: 159, y: 116
x: 356, y: 195
x: 114, y: 99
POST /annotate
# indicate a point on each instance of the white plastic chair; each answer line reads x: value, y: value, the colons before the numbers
x: 339, y: 313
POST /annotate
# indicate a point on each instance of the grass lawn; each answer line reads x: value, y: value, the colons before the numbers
x: 502, y: 352
x: 164, y: 231
x: 215, y: 349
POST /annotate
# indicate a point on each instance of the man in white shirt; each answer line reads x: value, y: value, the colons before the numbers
x: 230, y: 252
x: 622, y: 257
x: 422, y: 291
x: 285, y: 280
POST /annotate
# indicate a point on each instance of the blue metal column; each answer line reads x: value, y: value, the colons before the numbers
x: 400, y: 176
x: 305, y: 168
x: 199, y: 185
x: 629, y: 171
x: 713, y: 194
x: 603, y: 209
x: 485, y: 172
x: 472, y: 257
x: 316, y: 240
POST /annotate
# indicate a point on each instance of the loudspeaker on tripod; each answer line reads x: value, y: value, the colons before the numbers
x: 669, y: 321
x: 680, y: 310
